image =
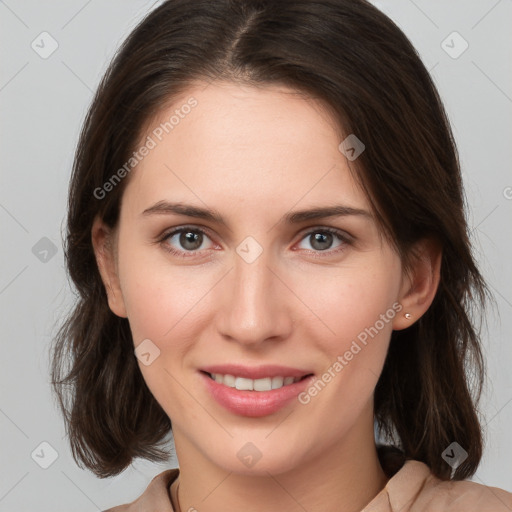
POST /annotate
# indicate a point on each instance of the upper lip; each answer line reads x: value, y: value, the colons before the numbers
x: 255, y: 372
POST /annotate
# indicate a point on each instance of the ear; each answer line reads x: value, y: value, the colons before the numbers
x: 420, y: 282
x: 104, y: 244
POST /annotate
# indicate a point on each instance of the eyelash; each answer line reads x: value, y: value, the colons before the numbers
x: 342, y: 237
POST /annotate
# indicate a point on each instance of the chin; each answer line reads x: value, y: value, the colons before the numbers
x: 251, y: 458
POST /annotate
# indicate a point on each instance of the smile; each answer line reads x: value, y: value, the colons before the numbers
x: 254, y: 391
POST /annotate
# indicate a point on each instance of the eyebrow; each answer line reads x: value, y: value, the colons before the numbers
x: 296, y: 217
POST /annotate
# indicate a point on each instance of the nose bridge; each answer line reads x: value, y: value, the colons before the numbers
x: 254, y: 304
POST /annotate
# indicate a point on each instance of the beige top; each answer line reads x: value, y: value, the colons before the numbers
x: 412, y: 489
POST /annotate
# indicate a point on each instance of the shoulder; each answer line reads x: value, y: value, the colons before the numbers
x: 463, y: 496
x: 155, y: 496
x: 415, y: 489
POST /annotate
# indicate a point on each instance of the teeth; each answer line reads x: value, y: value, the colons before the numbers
x: 277, y: 382
x: 243, y: 384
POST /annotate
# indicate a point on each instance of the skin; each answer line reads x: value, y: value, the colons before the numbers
x: 254, y: 155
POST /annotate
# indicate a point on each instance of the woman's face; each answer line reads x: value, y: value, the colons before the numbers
x: 268, y: 290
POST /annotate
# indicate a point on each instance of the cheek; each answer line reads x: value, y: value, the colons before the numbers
x: 160, y: 298
x: 164, y: 304
x: 356, y: 308
x: 353, y: 299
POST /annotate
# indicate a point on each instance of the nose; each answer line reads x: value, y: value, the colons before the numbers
x: 254, y: 304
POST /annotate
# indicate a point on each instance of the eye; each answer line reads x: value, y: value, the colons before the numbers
x: 322, y: 239
x: 185, y: 240
x: 189, y: 241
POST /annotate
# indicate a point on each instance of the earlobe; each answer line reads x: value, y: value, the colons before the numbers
x: 103, y: 245
x: 420, y: 285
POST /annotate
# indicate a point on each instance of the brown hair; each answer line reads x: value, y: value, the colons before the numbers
x: 352, y: 57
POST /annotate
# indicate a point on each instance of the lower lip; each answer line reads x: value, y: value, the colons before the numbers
x: 254, y: 403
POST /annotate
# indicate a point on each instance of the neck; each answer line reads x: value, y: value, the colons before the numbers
x: 346, y: 476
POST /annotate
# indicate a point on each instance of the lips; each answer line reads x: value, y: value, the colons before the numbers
x: 254, y: 403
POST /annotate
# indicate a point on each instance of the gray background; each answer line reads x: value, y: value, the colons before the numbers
x: 43, y: 103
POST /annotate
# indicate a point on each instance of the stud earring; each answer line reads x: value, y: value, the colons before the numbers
x: 408, y: 316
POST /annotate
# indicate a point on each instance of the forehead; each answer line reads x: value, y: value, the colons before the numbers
x: 226, y: 143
